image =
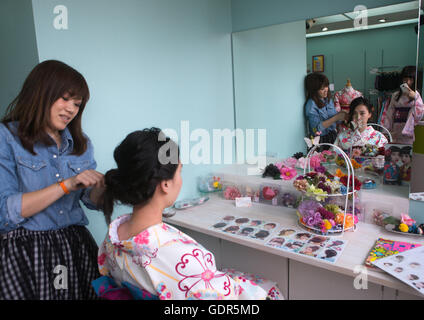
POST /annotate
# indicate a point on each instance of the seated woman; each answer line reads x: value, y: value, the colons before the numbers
x: 360, y: 134
x: 149, y: 254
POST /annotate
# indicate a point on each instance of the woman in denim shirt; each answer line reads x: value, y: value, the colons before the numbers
x: 321, y: 115
x: 46, y: 168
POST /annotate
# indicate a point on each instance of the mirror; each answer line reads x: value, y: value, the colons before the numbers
x: 363, y: 50
x: 417, y: 182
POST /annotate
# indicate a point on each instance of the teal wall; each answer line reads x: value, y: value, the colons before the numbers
x: 18, y: 54
x: 353, y: 54
x: 269, y: 68
x: 154, y: 63
x: 147, y: 63
x: 249, y: 14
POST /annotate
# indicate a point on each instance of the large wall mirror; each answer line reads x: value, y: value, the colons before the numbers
x: 417, y: 181
x: 363, y: 51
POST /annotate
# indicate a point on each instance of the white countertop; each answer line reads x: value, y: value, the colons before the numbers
x: 391, y: 199
x: 360, y: 242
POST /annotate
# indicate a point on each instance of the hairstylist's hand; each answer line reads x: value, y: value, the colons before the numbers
x: 86, y: 179
x: 343, y: 116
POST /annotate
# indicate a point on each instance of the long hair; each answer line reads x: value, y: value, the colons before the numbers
x: 46, y: 83
x: 313, y: 83
x: 407, y: 72
x: 141, y: 167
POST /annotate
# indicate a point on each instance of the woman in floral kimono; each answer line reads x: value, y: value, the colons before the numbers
x: 140, y: 251
x: 405, y: 110
x: 361, y: 134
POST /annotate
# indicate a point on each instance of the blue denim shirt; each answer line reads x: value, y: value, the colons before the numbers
x: 22, y: 172
x: 316, y: 116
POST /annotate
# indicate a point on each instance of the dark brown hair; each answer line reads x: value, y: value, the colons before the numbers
x: 407, y: 72
x: 356, y: 103
x: 313, y: 83
x: 46, y: 83
x: 139, y: 169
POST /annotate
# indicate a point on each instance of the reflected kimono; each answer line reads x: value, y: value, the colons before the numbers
x: 171, y: 265
x: 391, y: 174
x: 402, y: 116
x: 349, y: 138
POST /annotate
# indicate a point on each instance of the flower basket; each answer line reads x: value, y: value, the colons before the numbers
x: 327, y: 205
x: 370, y: 157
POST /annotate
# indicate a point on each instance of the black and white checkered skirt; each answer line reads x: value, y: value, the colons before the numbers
x: 48, y: 265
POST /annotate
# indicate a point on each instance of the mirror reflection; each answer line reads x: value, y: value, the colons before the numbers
x: 358, y: 86
x: 417, y: 182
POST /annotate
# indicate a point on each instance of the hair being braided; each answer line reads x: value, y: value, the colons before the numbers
x: 144, y: 159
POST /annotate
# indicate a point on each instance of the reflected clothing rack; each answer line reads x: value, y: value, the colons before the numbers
x: 385, y: 84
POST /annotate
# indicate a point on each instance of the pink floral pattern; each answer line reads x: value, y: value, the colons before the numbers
x: 403, y: 131
x: 101, y: 259
x: 349, y: 138
x: 205, y: 278
x: 344, y: 97
x: 163, y: 292
x: 142, y: 238
x: 170, y: 264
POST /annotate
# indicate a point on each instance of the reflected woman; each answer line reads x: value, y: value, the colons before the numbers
x: 321, y: 115
x: 406, y: 108
x: 360, y: 134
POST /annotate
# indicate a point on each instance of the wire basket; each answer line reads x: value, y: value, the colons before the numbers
x: 312, y: 203
x: 376, y: 161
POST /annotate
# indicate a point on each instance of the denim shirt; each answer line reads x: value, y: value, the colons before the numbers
x: 316, y: 116
x: 22, y: 172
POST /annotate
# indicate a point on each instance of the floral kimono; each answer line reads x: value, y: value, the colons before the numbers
x: 391, y: 173
x: 344, y: 97
x: 171, y: 265
x: 349, y: 138
x: 402, y: 116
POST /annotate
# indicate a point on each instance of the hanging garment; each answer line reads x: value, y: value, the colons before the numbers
x: 344, y: 97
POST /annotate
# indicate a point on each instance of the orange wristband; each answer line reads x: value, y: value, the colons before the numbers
x: 63, y: 187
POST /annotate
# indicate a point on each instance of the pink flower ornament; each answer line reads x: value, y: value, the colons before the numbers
x: 231, y: 193
x: 288, y: 173
x: 290, y: 162
x: 315, y: 161
x: 301, y: 162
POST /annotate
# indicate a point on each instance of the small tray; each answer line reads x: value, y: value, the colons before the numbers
x: 185, y: 204
x: 198, y: 201
x: 169, y: 212
x: 390, y: 228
